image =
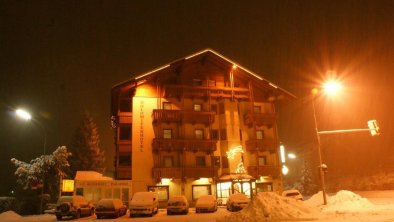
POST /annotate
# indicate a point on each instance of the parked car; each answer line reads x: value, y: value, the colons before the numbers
x: 293, y: 194
x: 206, y: 203
x: 144, y: 203
x: 237, y: 202
x: 110, y: 207
x: 75, y: 206
x: 177, y: 205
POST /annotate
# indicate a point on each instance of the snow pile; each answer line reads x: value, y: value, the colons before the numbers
x: 343, y: 201
x: 271, y: 206
x: 10, y: 216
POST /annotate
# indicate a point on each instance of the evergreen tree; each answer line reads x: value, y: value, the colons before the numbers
x: 85, y: 147
x: 46, y: 169
x: 307, y: 181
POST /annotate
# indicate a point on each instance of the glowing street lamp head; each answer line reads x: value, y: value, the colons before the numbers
x: 332, y: 87
x: 23, y: 114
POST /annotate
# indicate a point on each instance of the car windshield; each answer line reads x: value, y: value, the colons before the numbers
x: 292, y: 194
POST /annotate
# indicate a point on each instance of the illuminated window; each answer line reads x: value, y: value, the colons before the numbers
x: 168, y: 161
x: 200, y: 161
x: 200, y: 190
x: 199, y: 133
x: 125, y: 132
x: 162, y: 192
x: 257, y: 109
x: 197, y: 107
x: 262, y: 160
x: 167, y: 134
x: 167, y: 106
x: 259, y: 134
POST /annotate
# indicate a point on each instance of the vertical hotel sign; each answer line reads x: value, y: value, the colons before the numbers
x: 141, y: 126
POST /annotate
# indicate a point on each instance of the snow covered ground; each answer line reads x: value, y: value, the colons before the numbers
x: 368, y: 206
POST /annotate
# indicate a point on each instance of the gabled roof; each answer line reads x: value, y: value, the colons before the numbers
x: 197, y: 54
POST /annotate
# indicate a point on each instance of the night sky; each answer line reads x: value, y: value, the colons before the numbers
x: 60, y: 58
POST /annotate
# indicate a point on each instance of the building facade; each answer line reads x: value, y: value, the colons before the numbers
x: 199, y: 125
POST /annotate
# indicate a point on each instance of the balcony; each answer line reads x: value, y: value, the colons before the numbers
x: 267, y: 119
x: 123, y: 173
x: 179, y: 91
x: 262, y: 145
x: 267, y: 170
x: 181, y: 116
x: 184, y: 145
x: 182, y: 172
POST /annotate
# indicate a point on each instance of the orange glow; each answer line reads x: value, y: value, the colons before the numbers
x: 234, y: 66
x: 332, y: 87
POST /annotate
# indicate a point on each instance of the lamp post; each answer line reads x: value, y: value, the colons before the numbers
x: 330, y: 87
x: 25, y: 115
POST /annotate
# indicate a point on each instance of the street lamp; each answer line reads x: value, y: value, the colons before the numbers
x: 330, y: 88
x: 25, y: 115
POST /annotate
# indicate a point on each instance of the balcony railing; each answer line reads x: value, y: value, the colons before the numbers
x: 123, y: 173
x: 262, y: 145
x: 181, y: 116
x: 267, y: 119
x: 204, y: 92
x: 267, y: 170
x: 184, y: 172
x: 184, y: 144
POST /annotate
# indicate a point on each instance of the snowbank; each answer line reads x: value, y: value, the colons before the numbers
x: 342, y: 202
x: 10, y: 216
x: 271, y: 206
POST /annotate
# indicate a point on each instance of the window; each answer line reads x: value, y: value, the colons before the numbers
x: 167, y: 106
x: 216, y: 161
x: 125, y: 105
x: 214, y: 108
x: 262, y: 160
x: 197, y: 107
x: 197, y: 82
x: 214, y: 134
x: 167, y: 134
x: 223, y: 134
x: 199, y: 134
x: 125, y: 132
x: 162, y: 192
x: 200, y: 161
x: 224, y: 162
x: 124, y: 159
x: 257, y: 109
x: 259, y: 134
x: 168, y: 161
x: 200, y: 190
x: 221, y: 108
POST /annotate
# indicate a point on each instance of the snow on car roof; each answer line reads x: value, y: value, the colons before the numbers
x: 90, y: 175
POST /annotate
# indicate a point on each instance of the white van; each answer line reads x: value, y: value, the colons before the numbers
x: 144, y: 203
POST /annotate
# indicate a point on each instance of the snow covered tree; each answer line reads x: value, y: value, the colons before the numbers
x: 307, y: 181
x: 45, y: 170
x: 85, y: 147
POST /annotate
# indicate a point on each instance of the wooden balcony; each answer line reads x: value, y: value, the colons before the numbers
x: 267, y: 170
x: 182, y: 172
x: 262, y: 145
x: 123, y: 173
x: 184, y: 145
x: 181, y: 116
x: 260, y: 119
x: 204, y: 92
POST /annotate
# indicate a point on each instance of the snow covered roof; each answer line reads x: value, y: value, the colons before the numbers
x: 90, y: 175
